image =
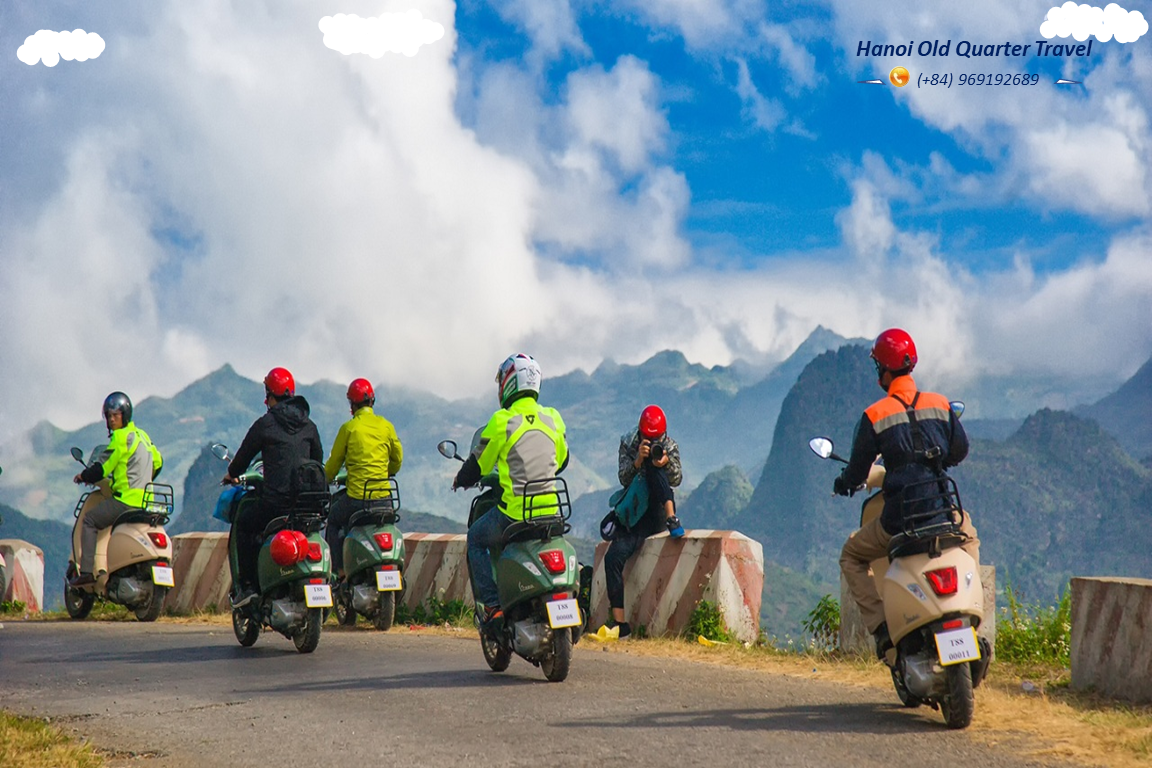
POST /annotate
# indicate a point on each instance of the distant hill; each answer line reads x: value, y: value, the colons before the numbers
x: 717, y: 501
x: 1127, y: 413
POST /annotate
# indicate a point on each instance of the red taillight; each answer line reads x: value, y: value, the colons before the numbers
x: 559, y: 596
x: 553, y: 560
x: 388, y: 568
x: 943, y: 581
x: 162, y: 564
x: 383, y: 540
x: 954, y: 624
x: 317, y: 581
x: 285, y: 548
x: 159, y: 540
x: 315, y: 554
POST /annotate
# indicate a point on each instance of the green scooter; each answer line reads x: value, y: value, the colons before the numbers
x: 293, y: 568
x: 537, y: 577
x: 373, y: 557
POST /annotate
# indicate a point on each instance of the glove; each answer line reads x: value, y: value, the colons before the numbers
x: 841, y: 488
x: 675, y: 530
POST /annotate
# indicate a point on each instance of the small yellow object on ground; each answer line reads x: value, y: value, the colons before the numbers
x: 706, y: 642
x: 605, y: 635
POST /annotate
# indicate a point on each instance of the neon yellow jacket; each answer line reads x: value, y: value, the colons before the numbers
x: 368, y: 445
x: 131, y: 461
x: 523, y: 442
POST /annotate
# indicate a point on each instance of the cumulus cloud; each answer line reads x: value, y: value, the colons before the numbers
x: 1083, y: 21
x: 387, y: 33
x: 50, y: 47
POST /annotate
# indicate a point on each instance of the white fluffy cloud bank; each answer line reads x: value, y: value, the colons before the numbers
x: 50, y: 47
x: 1083, y: 21
x: 387, y: 33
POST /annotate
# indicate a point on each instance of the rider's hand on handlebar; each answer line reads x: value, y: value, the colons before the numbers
x: 77, y: 479
x: 841, y: 488
x: 229, y: 480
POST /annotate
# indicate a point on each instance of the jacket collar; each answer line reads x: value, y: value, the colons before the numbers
x: 902, y: 388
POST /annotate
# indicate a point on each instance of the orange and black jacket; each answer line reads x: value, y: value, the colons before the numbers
x: 886, y: 430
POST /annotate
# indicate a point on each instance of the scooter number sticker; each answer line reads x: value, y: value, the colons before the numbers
x: 957, y: 646
x: 563, y: 613
x: 162, y: 576
x: 388, y: 581
x: 317, y: 596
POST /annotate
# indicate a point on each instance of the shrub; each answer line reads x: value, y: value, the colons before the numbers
x: 436, y: 611
x: 707, y: 620
x: 1031, y: 634
x: 823, y: 623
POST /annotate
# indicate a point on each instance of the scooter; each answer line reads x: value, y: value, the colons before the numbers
x: 373, y: 557
x: 537, y: 577
x: 933, y: 602
x: 133, y: 555
x: 293, y: 568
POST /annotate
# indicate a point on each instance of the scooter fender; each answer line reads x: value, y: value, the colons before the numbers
x: 272, y: 575
x: 130, y: 544
x: 521, y: 575
x: 361, y: 551
x: 910, y: 602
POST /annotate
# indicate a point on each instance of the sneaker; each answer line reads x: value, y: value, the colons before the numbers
x: 624, y: 630
x: 493, y: 618
x: 675, y: 530
x: 883, y: 640
x: 82, y: 580
x: 246, y: 596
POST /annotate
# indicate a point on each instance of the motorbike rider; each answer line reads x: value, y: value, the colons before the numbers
x: 285, y: 438
x: 523, y: 441
x: 132, y: 461
x: 919, y: 436
x: 367, y: 444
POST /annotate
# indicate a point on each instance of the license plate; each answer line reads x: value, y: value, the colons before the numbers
x: 563, y: 613
x: 387, y: 581
x: 317, y: 596
x: 162, y: 576
x: 957, y: 646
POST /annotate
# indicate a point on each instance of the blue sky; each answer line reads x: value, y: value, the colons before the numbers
x: 573, y: 178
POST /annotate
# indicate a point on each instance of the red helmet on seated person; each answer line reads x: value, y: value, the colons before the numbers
x: 652, y: 422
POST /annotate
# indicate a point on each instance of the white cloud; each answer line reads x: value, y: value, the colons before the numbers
x: 387, y: 33
x: 550, y: 24
x: 50, y: 47
x: 767, y: 114
x: 1083, y: 21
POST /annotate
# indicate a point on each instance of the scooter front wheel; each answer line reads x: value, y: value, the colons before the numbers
x: 342, y: 605
x: 77, y: 602
x: 496, y: 654
x: 246, y: 628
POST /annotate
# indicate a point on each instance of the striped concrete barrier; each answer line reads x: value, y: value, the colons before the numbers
x: 200, y: 570
x: 435, y: 565
x: 24, y: 574
x: 667, y: 578
x: 855, y: 638
x: 1112, y: 637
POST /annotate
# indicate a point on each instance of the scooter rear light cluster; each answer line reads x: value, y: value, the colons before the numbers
x: 315, y: 553
x: 159, y: 540
x: 953, y: 624
x: 944, y: 581
x: 553, y: 560
x: 288, y: 548
x: 388, y: 568
x: 383, y: 540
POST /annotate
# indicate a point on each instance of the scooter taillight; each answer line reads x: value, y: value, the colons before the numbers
x: 315, y: 554
x: 159, y: 540
x: 383, y: 540
x: 553, y: 560
x: 944, y: 581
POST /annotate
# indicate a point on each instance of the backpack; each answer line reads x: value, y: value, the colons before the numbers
x: 628, y: 506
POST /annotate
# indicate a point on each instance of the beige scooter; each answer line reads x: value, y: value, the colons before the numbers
x: 933, y: 604
x: 133, y: 555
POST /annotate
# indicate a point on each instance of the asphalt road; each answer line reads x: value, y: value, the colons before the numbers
x: 169, y: 695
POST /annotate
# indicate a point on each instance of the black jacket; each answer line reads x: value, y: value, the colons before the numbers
x: 285, y: 438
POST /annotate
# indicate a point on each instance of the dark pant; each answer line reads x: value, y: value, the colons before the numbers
x: 627, y: 542
x: 339, y: 511
x: 249, y: 526
x: 101, y: 516
x: 483, y: 536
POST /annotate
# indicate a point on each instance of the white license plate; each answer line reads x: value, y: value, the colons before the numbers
x: 563, y: 613
x: 162, y: 576
x: 957, y: 646
x: 387, y: 581
x: 317, y: 596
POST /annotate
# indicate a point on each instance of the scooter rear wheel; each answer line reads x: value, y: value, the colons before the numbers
x: 308, y: 637
x: 386, y: 612
x: 150, y: 611
x: 557, y: 663
x: 958, y: 706
x: 246, y: 628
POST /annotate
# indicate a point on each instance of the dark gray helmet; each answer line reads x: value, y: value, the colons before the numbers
x: 118, y: 401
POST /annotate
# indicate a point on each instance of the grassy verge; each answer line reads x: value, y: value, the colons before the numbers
x: 30, y: 743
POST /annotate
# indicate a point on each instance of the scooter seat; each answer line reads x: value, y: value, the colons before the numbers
x: 274, y: 525
x: 377, y: 514
x: 927, y: 541
x: 540, y: 529
x: 141, y: 516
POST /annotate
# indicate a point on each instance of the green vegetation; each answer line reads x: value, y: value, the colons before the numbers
x: 29, y: 743
x: 436, y: 611
x: 1034, y: 635
x: 823, y: 623
x: 11, y: 608
x: 706, y: 621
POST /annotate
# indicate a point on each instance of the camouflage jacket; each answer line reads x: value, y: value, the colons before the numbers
x: 630, y: 449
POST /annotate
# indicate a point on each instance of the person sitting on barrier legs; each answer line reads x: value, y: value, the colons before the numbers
x: 367, y: 444
x: 131, y: 461
x: 285, y: 438
x: 523, y: 441
x: 919, y: 436
x: 650, y: 453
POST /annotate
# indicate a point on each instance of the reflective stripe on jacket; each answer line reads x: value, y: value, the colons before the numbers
x: 129, y: 467
x: 368, y: 445
x: 523, y: 442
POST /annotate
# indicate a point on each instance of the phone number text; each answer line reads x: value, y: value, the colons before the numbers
x: 948, y: 79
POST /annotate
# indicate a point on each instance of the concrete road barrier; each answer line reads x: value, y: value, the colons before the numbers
x: 855, y: 638
x: 24, y: 572
x: 200, y: 570
x: 1112, y: 637
x: 667, y: 578
x: 435, y: 565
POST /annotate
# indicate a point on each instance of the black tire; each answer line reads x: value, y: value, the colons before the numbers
x: 77, y: 602
x: 958, y: 706
x: 342, y: 605
x: 385, y: 612
x: 559, y: 660
x: 246, y: 628
x: 308, y: 637
x: 906, y: 698
x: 150, y: 611
x: 497, y: 656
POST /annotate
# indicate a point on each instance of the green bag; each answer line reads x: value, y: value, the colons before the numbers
x: 630, y: 503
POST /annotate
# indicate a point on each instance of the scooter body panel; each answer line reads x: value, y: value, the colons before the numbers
x: 362, y: 553
x: 271, y: 575
x: 910, y: 601
x: 521, y: 576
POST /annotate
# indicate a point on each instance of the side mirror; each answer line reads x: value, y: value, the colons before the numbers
x: 220, y: 451
x: 957, y: 407
x: 1, y: 470
x: 821, y: 446
x: 77, y: 454
x: 447, y: 449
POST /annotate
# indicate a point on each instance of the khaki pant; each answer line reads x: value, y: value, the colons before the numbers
x: 870, y: 543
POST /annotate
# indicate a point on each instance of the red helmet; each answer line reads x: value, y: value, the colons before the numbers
x: 279, y: 383
x: 894, y: 351
x: 652, y: 422
x: 360, y: 392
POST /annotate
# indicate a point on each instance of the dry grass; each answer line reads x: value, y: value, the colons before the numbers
x: 29, y: 743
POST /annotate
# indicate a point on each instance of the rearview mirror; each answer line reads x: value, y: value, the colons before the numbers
x: 220, y: 451
x: 447, y: 449
x: 821, y: 446
x: 957, y: 407
x: 77, y: 454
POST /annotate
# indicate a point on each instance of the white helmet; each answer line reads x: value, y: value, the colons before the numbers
x: 517, y: 376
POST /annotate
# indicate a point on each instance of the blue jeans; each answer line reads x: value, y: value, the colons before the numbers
x: 484, y: 535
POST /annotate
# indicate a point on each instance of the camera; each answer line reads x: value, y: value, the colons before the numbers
x: 656, y: 452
